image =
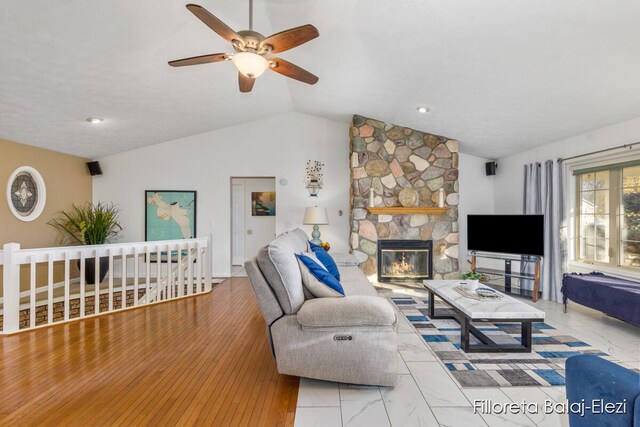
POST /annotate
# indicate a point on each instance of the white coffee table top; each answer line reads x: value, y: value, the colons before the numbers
x: 506, y: 308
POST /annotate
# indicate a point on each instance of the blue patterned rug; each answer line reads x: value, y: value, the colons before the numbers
x: 544, y: 366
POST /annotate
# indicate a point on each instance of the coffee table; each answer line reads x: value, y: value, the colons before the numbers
x: 467, y: 310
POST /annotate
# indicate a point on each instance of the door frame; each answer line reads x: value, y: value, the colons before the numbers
x: 231, y: 210
x: 237, y: 250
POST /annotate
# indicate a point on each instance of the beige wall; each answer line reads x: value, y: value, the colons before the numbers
x: 67, y: 181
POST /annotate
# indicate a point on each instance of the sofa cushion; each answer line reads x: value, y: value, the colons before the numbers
x: 590, y: 378
x: 315, y: 277
x: 325, y: 259
x: 279, y: 265
x: 349, y: 311
x: 355, y: 282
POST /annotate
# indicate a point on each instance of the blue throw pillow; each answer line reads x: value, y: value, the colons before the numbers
x: 325, y: 259
x: 317, y: 279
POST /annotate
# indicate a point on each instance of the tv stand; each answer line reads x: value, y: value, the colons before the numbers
x: 507, y: 272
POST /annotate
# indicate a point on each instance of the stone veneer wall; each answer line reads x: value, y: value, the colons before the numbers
x: 385, y: 159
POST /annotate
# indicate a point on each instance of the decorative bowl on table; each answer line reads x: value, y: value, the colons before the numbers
x: 486, y: 292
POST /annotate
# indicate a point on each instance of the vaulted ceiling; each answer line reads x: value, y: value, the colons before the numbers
x: 499, y: 75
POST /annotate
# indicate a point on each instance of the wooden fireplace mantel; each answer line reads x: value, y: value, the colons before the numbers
x: 399, y: 210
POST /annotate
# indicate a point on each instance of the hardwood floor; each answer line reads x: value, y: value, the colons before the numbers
x: 198, y: 361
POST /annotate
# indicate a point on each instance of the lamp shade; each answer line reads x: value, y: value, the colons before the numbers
x: 316, y: 216
x: 250, y: 64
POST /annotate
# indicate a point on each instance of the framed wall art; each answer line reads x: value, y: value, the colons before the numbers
x: 169, y: 215
x: 26, y: 193
x: 263, y: 203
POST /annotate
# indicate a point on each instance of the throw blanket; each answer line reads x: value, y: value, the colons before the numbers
x: 616, y: 297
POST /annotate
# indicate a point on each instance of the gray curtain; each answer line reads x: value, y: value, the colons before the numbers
x: 544, y: 194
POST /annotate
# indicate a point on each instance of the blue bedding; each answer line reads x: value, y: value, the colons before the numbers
x: 616, y: 297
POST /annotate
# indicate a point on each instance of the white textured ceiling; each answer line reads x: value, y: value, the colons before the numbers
x: 500, y: 75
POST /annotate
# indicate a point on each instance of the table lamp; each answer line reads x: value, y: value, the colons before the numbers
x: 316, y: 216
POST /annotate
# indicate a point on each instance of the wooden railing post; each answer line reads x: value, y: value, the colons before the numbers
x: 11, y: 288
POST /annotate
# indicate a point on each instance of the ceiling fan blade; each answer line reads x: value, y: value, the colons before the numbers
x: 246, y: 83
x: 293, y: 71
x: 202, y: 59
x: 288, y: 39
x: 214, y: 23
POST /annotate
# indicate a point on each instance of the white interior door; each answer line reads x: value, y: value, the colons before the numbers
x: 237, y: 223
x: 259, y: 229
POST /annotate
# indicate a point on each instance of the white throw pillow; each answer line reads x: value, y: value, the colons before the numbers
x: 311, y: 283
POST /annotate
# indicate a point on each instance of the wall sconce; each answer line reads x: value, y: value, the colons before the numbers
x: 313, y: 179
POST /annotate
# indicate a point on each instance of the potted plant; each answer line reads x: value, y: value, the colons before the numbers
x: 89, y: 224
x: 472, y: 279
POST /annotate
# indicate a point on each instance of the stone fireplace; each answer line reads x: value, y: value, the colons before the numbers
x: 386, y: 159
x: 405, y: 260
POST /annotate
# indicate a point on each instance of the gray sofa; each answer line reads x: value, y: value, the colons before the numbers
x: 351, y: 339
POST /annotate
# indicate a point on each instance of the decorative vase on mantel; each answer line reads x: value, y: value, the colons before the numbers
x: 408, y: 197
x: 441, y: 198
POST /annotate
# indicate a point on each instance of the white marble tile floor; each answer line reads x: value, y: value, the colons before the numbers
x: 426, y: 395
x: 314, y: 393
x: 319, y: 417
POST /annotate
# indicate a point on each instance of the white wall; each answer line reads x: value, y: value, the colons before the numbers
x: 276, y: 146
x: 476, y: 197
x: 509, y: 179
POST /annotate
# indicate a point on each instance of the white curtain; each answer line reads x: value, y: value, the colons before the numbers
x: 544, y: 194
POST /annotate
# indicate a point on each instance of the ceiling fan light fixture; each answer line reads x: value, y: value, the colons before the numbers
x: 250, y: 64
x: 254, y: 51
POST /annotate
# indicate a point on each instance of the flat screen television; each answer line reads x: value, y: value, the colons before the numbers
x: 507, y: 234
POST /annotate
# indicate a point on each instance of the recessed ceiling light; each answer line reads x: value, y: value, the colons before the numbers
x: 94, y: 120
x: 423, y: 110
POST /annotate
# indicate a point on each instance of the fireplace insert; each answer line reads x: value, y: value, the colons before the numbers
x: 405, y: 260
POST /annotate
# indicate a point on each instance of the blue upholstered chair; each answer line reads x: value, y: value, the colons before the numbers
x: 594, y: 379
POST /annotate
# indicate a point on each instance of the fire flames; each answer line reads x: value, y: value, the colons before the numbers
x: 401, y: 267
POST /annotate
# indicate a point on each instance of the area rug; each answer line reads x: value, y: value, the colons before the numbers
x: 544, y: 366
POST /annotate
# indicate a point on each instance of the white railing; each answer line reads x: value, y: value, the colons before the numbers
x: 139, y: 274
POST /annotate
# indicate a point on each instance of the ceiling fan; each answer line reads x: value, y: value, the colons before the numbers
x: 253, y: 52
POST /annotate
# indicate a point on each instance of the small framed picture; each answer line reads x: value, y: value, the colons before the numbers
x: 169, y: 215
x: 263, y: 203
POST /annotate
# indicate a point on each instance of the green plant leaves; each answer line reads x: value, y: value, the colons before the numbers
x: 470, y: 275
x: 88, y: 224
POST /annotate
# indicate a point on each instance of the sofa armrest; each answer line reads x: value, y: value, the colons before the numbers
x: 354, y: 310
x: 591, y: 378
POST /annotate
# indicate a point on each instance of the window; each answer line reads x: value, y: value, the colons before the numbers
x: 608, y: 220
x: 630, y: 217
